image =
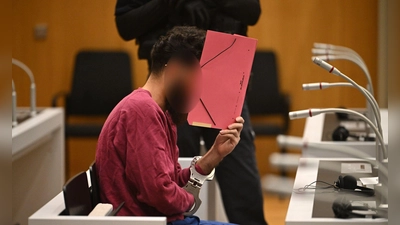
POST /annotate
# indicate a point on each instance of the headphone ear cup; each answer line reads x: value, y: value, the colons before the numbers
x: 341, y: 208
x: 340, y: 134
x: 349, y: 182
x: 339, y: 182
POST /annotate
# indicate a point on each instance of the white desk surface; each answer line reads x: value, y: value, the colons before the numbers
x: 301, y: 204
x: 314, y: 129
x: 34, y: 131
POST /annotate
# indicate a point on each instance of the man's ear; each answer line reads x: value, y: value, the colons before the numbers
x: 172, y: 69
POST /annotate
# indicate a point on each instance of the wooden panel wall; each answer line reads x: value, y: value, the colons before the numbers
x: 287, y: 27
x: 291, y: 27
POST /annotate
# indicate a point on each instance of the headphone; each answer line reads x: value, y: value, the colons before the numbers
x: 343, y: 209
x: 349, y: 183
x: 341, y: 134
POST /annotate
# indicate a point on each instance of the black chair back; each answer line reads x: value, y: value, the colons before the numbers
x: 263, y: 96
x: 77, y: 196
x: 95, y: 189
x: 100, y: 80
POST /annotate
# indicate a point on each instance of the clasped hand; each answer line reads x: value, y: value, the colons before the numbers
x: 227, y: 139
x: 224, y: 144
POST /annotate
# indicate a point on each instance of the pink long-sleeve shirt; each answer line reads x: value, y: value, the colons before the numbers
x: 137, y: 160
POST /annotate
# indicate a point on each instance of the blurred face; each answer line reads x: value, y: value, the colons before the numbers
x: 182, y: 85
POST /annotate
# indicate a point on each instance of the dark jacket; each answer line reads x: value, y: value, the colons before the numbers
x: 147, y: 20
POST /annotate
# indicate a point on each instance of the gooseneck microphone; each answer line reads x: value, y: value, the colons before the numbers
x: 331, y: 55
x: 26, y: 69
x: 314, y: 112
x: 336, y: 47
x: 14, y: 105
x: 331, y: 69
x: 324, y: 85
x: 340, y: 54
x: 329, y: 52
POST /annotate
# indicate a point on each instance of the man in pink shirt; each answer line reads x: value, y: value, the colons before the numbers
x: 137, y: 153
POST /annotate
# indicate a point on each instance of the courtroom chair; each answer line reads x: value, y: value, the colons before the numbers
x: 265, y: 99
x: 95, y: 189
x: 77, y: 196
x: 100, y: 80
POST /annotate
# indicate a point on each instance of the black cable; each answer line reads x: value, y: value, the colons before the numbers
x: 308, y: 186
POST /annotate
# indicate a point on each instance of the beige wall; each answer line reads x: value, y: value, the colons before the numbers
x: 287, y: 27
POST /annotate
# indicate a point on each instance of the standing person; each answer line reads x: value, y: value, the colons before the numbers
x: 137, y: 153
x: 146, y: 21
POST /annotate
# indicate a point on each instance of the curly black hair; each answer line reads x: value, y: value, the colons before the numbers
x: 184, y: 43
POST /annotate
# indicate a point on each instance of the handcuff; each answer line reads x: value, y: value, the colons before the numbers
x: 194, y: 185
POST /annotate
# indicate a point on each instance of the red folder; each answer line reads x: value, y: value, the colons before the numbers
x: 226, y: 63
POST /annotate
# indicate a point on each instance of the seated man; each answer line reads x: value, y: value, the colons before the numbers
x: 137, y: 153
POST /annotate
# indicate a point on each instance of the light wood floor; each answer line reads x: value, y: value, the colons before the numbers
x: 275, y: 209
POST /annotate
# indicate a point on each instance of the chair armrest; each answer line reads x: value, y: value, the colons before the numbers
x: 61, y: 94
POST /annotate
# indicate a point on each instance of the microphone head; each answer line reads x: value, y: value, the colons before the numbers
x: 322, y: 45
x: 304, y: 113
x: 326, y: 66
x: 310, y: 86
x: 285, y: 141
x: 315, y: 86
x: 321, y: 63
x: 300, y: 114
x: 319, y: 51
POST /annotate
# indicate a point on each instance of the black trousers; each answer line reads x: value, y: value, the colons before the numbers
x: 237, y: 174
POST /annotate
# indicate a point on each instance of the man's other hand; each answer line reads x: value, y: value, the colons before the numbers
x: 227, y: 139
x: 224, y: 144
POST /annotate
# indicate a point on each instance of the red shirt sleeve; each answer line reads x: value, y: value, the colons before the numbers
x: 183, y: 175
x: 150, y: 163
